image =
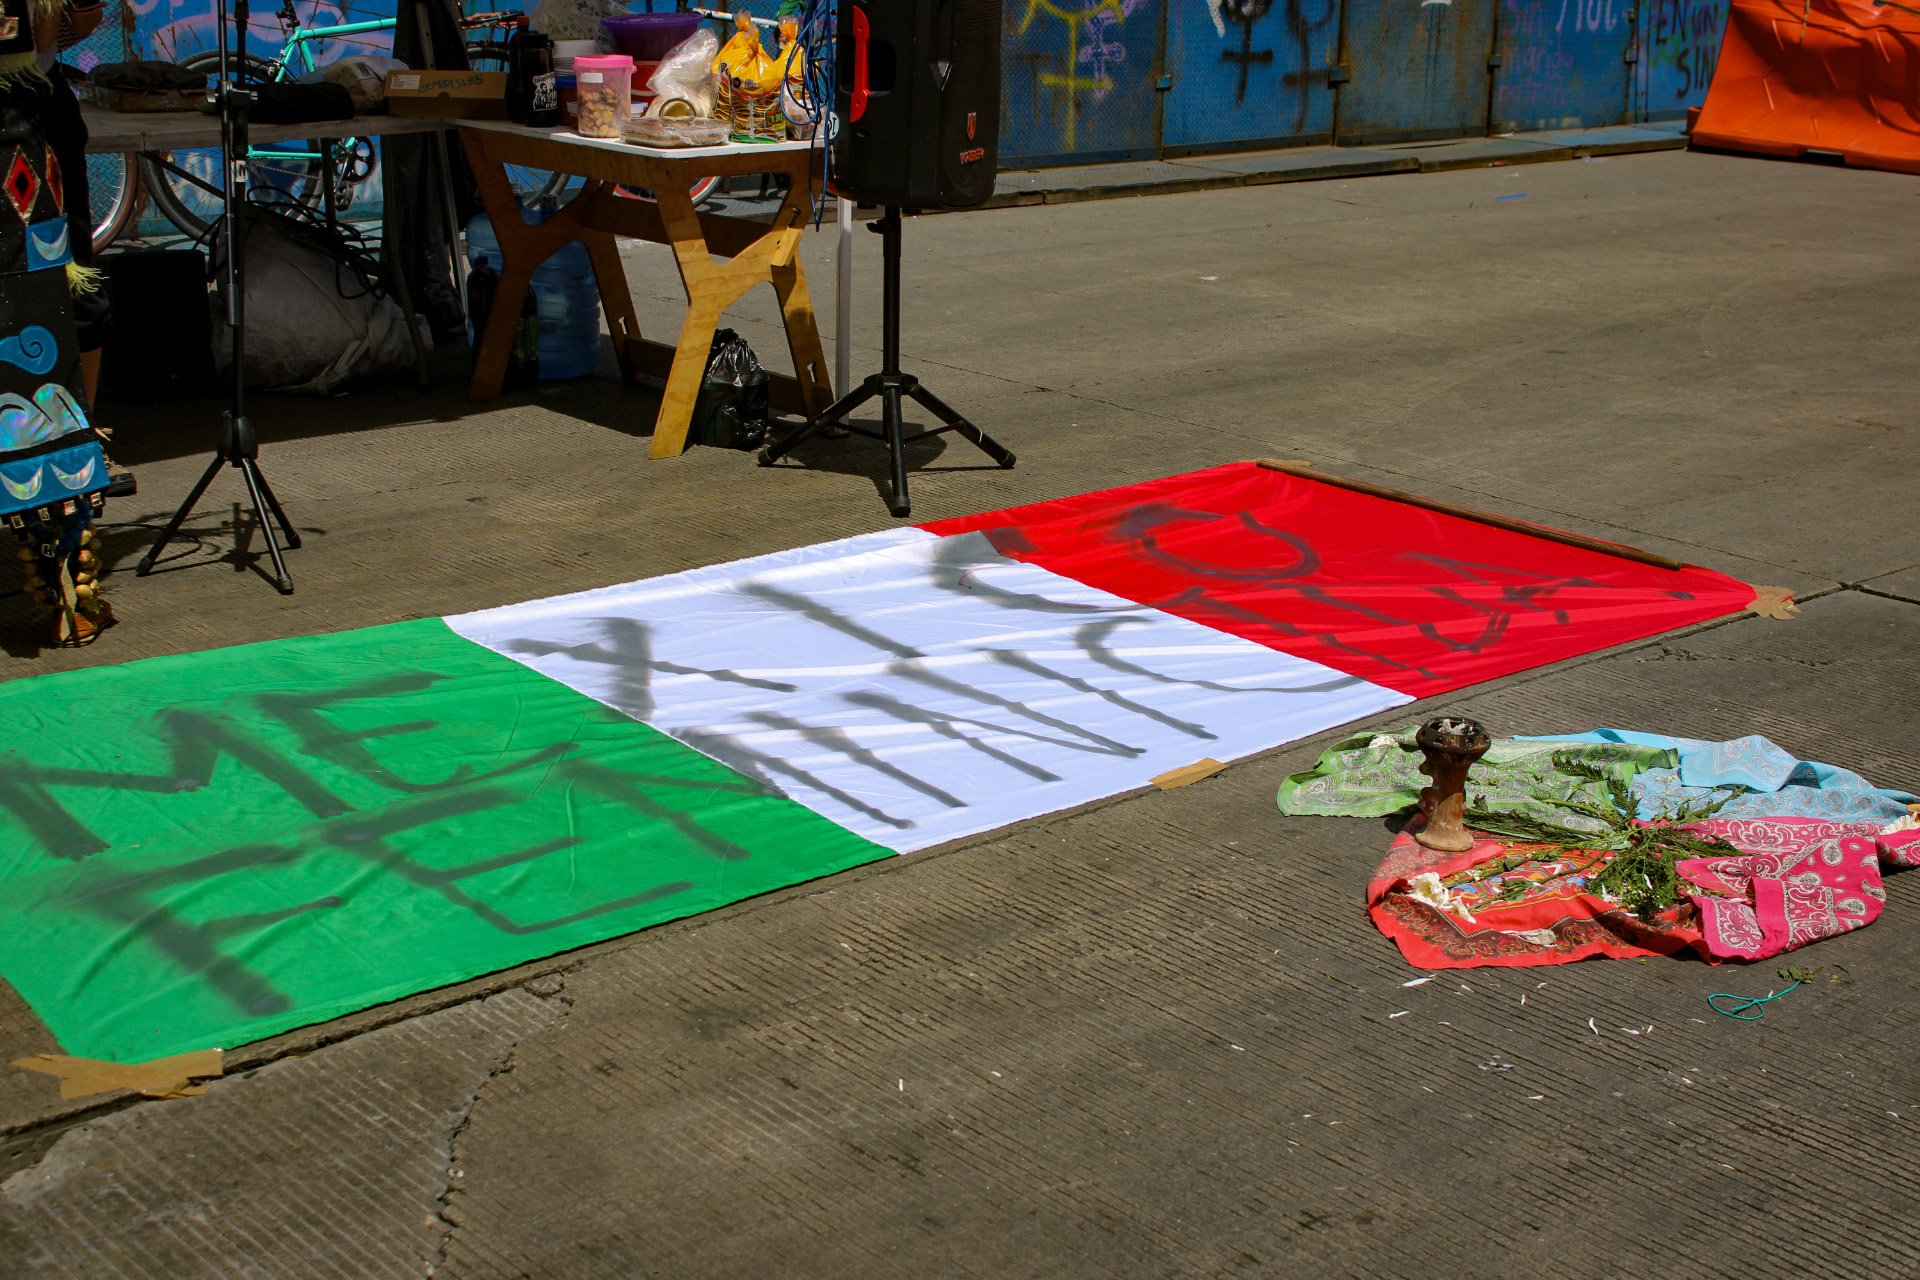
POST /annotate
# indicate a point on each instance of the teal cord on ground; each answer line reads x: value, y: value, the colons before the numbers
x: 1743, y: 1004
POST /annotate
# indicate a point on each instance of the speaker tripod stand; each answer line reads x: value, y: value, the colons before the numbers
x: 237, y: 446
x: 890, y: 385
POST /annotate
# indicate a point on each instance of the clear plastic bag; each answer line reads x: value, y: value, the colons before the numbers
x: 364, y: 77
x: 687, y: 71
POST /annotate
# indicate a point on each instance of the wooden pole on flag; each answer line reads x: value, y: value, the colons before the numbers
x: 1468, y: 513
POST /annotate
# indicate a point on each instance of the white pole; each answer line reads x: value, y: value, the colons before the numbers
x: 843, y: 306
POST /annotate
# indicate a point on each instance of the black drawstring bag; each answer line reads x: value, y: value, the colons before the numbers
x: 731, y: 412
x: 289, y: 103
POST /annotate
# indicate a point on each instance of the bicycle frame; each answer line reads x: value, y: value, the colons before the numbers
x: 302, y: 36
x: 299, y: 38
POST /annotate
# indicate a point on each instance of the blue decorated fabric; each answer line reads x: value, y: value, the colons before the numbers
x: 48, y: 244
x: 34, y: 349
x: 51, y: 478
x: 50, y: 414
x: 1765, y: 780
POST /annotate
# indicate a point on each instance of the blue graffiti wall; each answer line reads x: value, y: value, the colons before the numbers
x: 1420, y: 69
x: 1248, y: 73
x: 1079, y: 80
x: 1680, y: 44
x: 1563, y: 64
x: 1096, y: 80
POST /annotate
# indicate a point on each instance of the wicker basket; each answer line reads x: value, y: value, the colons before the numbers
x: 750, y: 116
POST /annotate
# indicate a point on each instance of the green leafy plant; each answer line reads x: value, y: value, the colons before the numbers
x: 1633, y: 863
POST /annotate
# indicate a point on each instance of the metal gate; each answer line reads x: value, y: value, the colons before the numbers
x: 1563, y: 64
x: 1079, y: 81
x: 1419, y: 69
x: 1248, y: 73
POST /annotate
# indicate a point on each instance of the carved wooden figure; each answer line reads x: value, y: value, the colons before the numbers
x: 1450, y: 747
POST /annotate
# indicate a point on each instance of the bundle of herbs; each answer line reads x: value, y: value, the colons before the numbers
x: 1635, y: 861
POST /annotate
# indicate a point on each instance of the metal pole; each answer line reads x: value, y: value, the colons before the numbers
x: 233, y: 150
x: 890, y: 292
x: 843, y: 304
x: 449, y: 216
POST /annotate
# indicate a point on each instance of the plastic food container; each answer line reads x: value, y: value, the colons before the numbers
x: 642, y: 72
x: 565, y: 51
x: 604, y: 84
x: 655, y: 131
x: 649, y: 37
x: 700, y: 133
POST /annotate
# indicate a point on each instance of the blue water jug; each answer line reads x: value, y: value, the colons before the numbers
x: 566, y: 295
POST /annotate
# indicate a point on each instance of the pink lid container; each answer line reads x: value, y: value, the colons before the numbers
x: 603, y: 62
x: 604, y: 83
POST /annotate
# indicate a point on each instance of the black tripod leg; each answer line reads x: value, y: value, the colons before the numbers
x: 179, y: 517
x: 273, y: 505
x: 986, y: 443
x: 897, y: 446
x: 254, y: 485
x: 806, y: 430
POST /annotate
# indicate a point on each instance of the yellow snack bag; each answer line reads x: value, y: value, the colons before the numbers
x: 743, y: 61
x: 792, y: 57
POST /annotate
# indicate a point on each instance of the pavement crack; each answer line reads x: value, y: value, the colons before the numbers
x: 1865, y: 590
x: 1669, y: 653
x: 549, y: 989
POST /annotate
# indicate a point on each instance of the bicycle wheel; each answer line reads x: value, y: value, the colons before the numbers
x: 529, y: 184
x: 114, y: 194
x: 487, y: 55
x: 191, y: 207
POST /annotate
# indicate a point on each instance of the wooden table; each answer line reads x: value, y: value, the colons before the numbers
x: 109, y: 131
x: 755, y: 253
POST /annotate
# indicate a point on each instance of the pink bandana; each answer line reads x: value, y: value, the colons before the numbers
x: 1803, y: 879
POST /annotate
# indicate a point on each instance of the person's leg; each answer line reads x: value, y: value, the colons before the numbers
x: 66, y: 133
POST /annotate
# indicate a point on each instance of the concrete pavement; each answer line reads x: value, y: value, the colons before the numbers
x: 1149, y: 1037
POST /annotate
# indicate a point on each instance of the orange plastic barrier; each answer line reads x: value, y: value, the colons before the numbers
x: 1838, y: 76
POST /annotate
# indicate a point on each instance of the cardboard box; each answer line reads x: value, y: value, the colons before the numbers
x: 463, y: 95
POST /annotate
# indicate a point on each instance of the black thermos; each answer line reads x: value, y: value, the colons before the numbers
x: 532, y: 96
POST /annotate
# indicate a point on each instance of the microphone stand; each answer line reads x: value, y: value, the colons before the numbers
x: 890, y: 385
x: 237, y: 445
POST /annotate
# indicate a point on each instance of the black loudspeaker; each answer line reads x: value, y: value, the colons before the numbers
x: 161, y: 343
x: 918, y: 102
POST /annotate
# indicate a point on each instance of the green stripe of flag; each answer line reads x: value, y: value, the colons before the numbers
x: 211, y: 848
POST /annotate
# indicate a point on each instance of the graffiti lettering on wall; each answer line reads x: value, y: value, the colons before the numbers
x: 1242, y: 14
x: 1537, y: 63
x: 1588, y: 15
x: 1092, y: 52
x: 1088, y: 46
x: 1302, y: 30
x: 1683, y: 44
x: 1307, y: 33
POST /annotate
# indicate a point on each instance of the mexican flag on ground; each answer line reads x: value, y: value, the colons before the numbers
x: 252, y: 839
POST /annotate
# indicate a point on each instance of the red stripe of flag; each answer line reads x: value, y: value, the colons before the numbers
x: 1412, y: 599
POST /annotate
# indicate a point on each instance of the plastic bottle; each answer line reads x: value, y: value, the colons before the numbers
x: 523, y: 365
x: 523, y: 357
x: 567, y: 296
x: 482, y: 283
